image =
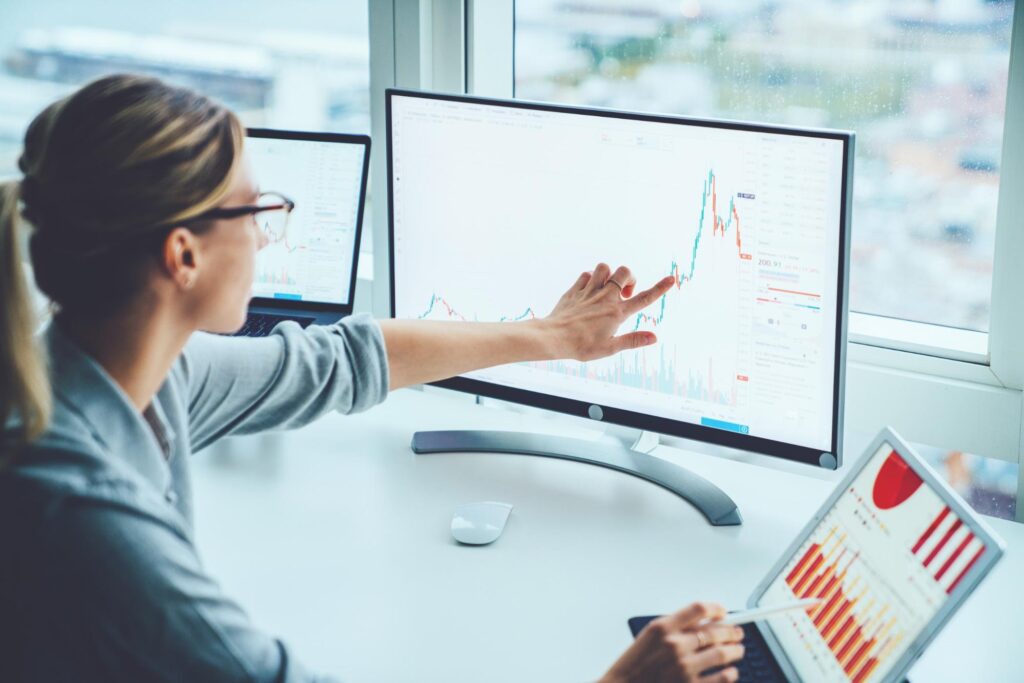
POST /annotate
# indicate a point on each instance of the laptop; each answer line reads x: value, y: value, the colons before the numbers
x: 308, y: 273
x: 892, y: 554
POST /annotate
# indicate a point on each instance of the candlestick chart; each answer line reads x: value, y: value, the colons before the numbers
x: 710, y: 376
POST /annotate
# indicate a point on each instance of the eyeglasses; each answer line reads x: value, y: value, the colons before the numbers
x: 271, y: 213
x: 273, y: 210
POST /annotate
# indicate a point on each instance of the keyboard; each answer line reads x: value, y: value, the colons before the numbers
x: 260, y: 324
x: 758, y: 663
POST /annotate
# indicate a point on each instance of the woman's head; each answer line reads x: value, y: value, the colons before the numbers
x: 114, y: 179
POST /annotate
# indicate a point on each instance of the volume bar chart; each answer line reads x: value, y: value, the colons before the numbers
x: 859, y: 632
x: 664, y: 376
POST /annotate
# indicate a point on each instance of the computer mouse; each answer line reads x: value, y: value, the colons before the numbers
x: 479, y: 523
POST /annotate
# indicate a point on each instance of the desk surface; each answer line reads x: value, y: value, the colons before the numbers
x: 335, y: 537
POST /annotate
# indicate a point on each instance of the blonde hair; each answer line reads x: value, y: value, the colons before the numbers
x: 105, y: 170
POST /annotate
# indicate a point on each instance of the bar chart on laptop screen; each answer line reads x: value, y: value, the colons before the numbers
x: 883, y: 562
x: 497, y: 210
x: 312, y: 259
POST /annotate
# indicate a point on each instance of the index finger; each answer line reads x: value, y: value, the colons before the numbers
x: 691, y: 615
x: 647, y: 297
x: 718, y: 634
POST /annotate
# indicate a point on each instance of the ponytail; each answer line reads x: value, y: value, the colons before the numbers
x: 24, y: 382
x: 119, y: 157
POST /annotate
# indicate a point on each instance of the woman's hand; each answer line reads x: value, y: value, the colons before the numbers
x: 582, y: 326
x: 679, y: 648
x: 584, y: 321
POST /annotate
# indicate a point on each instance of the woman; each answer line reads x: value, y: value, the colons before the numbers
x: 144, y: 233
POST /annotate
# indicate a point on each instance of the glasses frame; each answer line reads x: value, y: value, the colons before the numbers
x: 286, y: 205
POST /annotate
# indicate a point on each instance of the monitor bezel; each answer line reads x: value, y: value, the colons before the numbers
x: 831, y: 459
x: 346, y: 307
x: 994, y: 549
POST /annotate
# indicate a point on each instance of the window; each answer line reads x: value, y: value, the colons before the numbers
x: 922, y: 83
x: 989, y: 486
x: 927, y: 85
x: 303, y: 66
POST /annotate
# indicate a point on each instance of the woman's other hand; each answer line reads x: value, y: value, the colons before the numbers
x: 584, y: 321
x: 680, y: 648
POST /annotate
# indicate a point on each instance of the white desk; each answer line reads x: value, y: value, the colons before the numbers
x: 335, y: 537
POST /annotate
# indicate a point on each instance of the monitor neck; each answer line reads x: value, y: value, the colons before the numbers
x: 639, y: 440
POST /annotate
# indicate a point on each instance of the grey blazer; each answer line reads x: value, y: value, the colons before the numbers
x: 99, y: 577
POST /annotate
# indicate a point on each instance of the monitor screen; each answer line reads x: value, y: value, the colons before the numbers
x: 497, y: 206
x: 315, y: 259
x: 884, y: 560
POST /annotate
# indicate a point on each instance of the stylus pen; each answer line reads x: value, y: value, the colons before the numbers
x: 748, y: 615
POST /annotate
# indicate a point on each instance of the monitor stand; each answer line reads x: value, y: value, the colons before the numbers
x: 711, y: 501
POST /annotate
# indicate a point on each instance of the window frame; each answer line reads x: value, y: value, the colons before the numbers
x: 954, y: 388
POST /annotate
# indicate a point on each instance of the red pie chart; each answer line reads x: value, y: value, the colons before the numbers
x: 896, y: 482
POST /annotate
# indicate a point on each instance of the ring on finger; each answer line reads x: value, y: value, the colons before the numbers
x: 702, y: 640
x: 614, y: 282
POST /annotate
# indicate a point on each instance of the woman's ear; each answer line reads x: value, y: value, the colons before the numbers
x: 181, y: 257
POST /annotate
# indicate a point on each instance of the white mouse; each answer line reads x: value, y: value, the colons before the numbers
x: 479, y: 523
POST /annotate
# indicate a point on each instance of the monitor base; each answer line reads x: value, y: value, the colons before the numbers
x: 710, y: 501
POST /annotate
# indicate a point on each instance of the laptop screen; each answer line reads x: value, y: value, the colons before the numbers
x: 314, y: 259
x: 884, y: 560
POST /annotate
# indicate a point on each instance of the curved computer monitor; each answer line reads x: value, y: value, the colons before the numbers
x: 497, y: 205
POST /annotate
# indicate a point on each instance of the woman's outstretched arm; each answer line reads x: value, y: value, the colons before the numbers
x: 288, y: 379
x: 582, y: 326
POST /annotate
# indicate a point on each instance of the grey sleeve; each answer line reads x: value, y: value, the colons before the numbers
x: 242, y: 385
x: 127, y: 599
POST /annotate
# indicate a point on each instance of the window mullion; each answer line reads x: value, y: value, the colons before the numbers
x: 490, y: 47
x: 384, y: 58
x: 1007, y: 318
x: 448, y: 46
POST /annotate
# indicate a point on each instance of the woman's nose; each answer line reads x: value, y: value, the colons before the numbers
x: 263, y: 240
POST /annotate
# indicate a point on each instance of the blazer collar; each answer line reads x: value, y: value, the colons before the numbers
x: 82, y: 387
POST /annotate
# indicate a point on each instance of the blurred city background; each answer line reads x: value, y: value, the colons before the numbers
x: 302, y: 65
x: 922, y: 82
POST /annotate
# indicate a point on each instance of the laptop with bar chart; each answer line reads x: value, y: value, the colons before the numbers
x: 307, y: 273
x: 891, y: 555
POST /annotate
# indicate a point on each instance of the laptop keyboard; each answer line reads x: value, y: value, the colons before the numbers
x: 758, y: 663
x: 260, y: 324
